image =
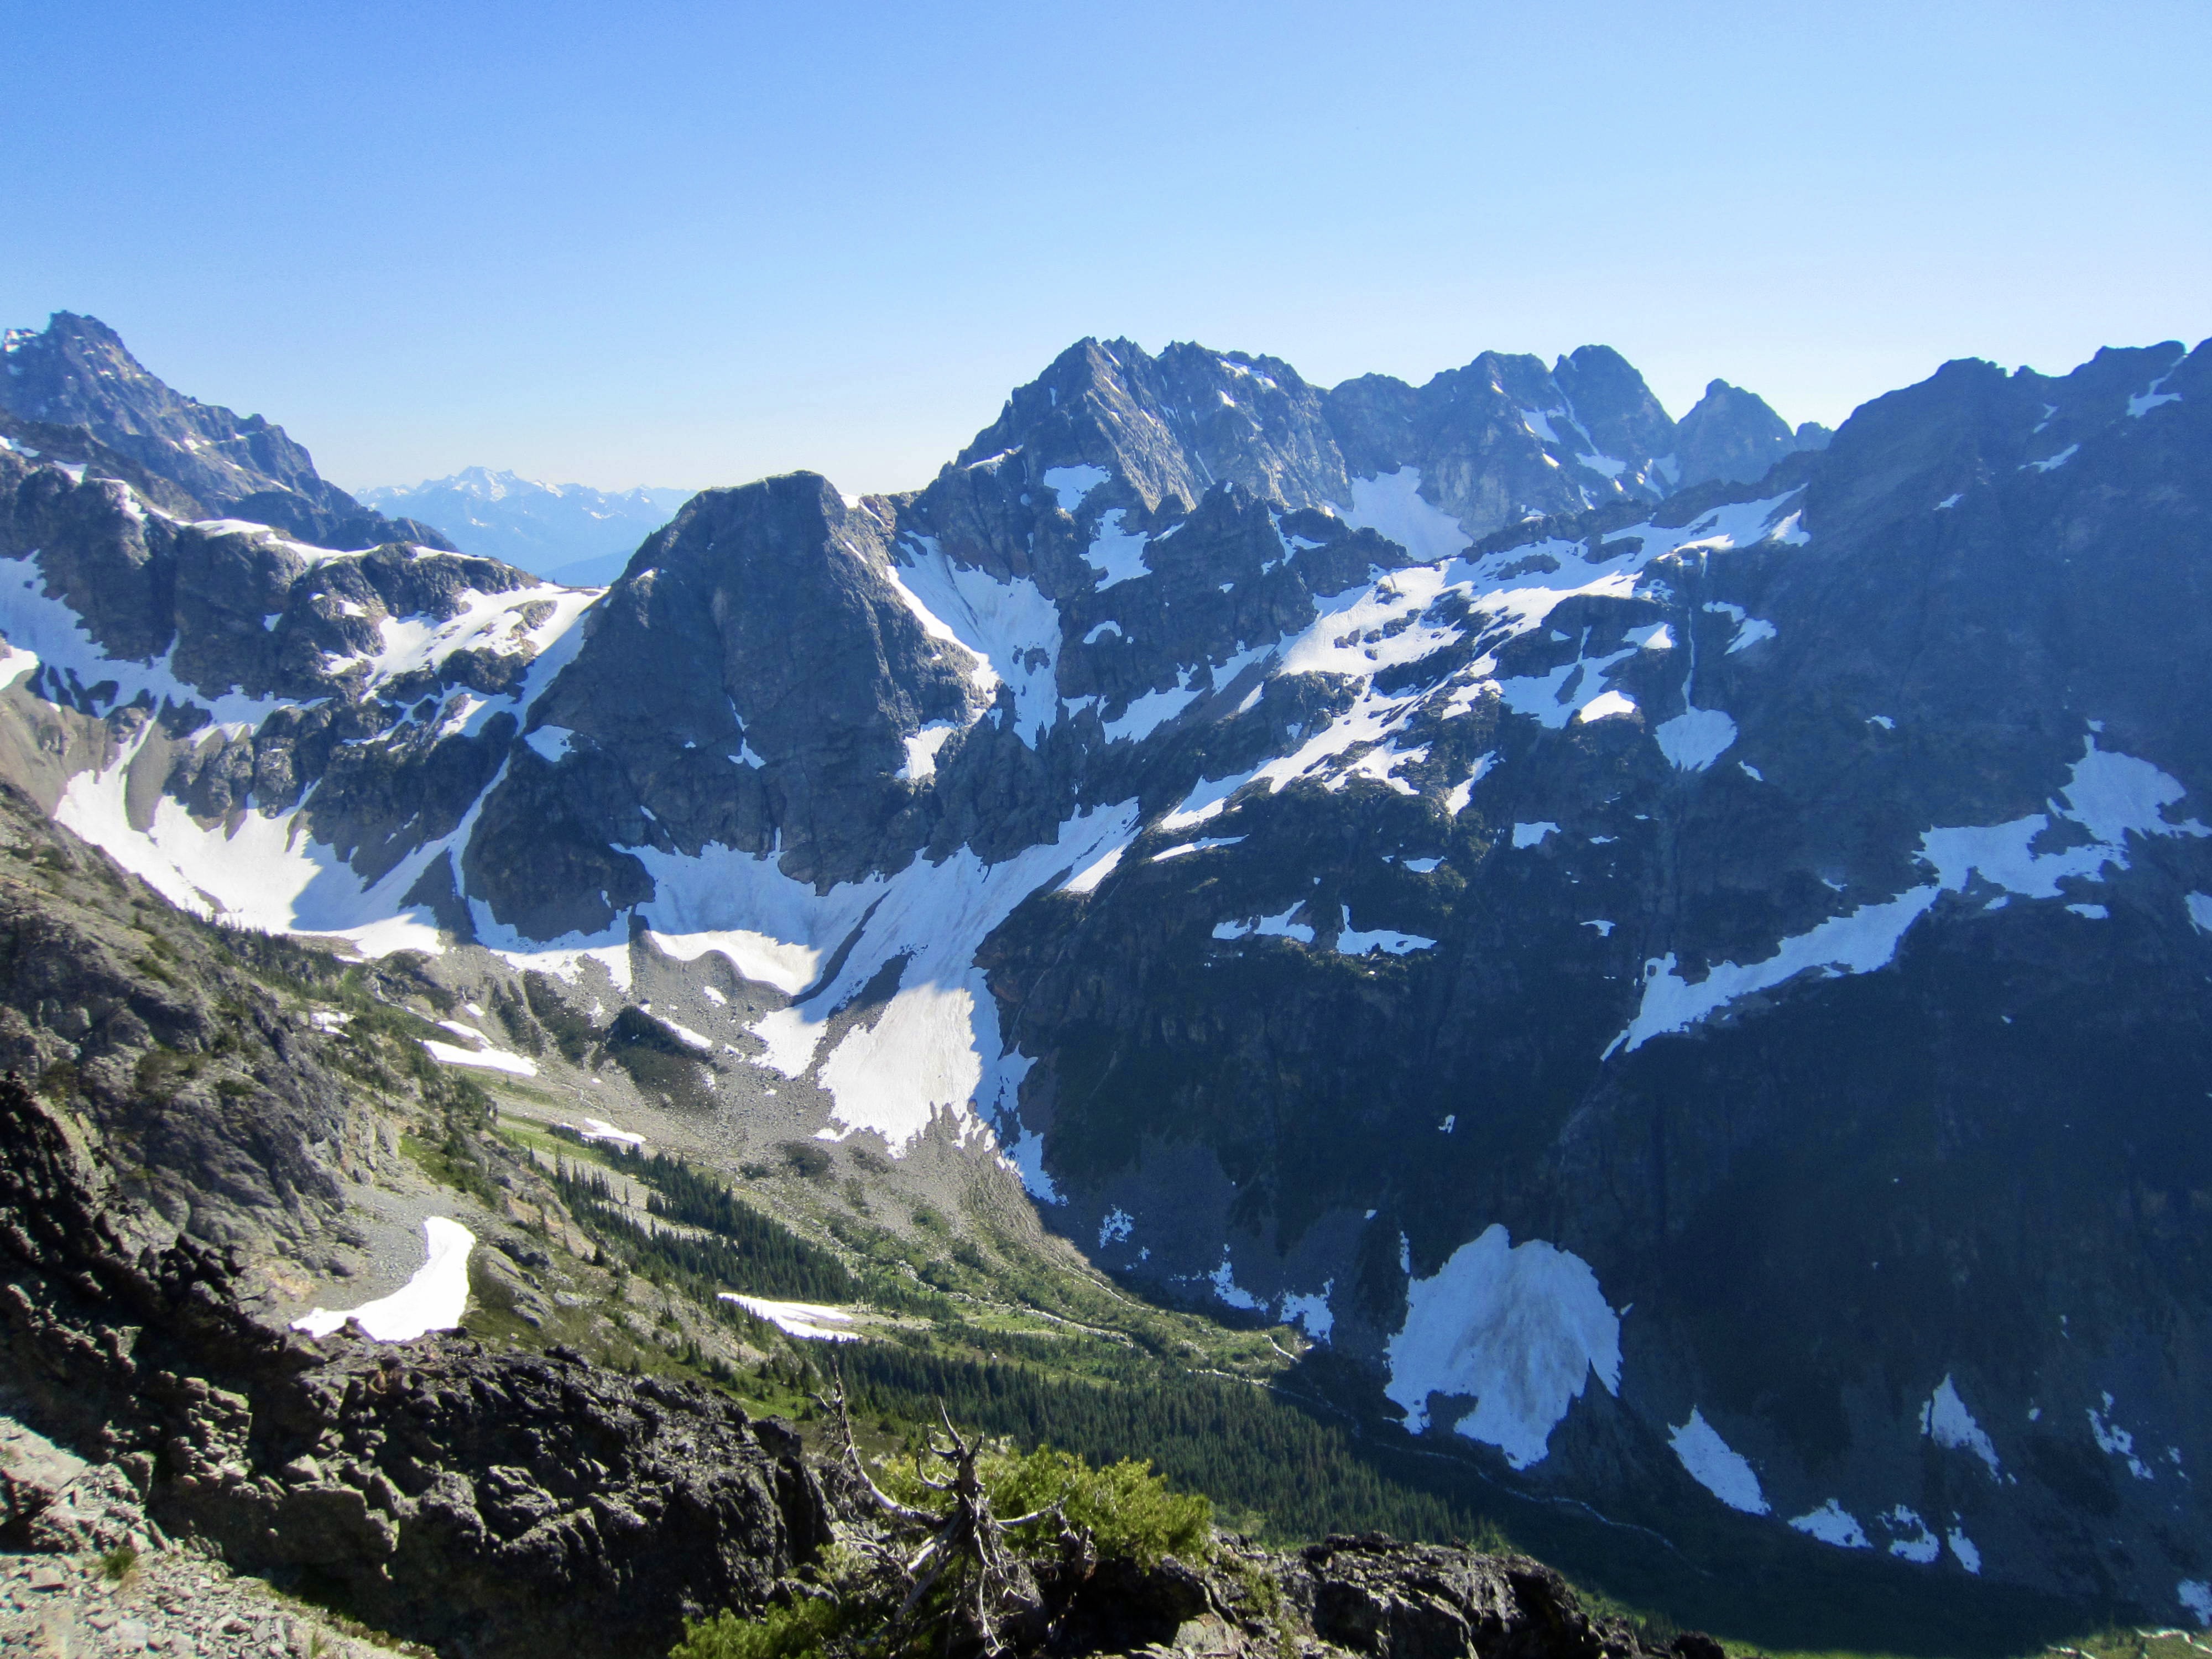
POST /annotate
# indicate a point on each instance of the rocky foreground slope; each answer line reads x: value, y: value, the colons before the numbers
x: 1681, y: 984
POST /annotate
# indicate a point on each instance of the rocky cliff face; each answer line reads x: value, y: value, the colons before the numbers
x: 77, y: 373
x: 1673, y: 980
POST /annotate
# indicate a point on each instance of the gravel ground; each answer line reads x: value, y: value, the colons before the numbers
x: 111, y: 1583
x: 172, y: 1601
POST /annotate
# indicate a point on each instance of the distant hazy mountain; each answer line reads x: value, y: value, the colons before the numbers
x: 569, y: 532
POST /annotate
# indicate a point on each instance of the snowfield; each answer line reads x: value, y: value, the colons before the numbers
x: 433, y: 1300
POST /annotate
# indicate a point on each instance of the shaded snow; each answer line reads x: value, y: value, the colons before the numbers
x: 1530, y: 834
x: 1519, y: 1328
x: 1310, y: 1312
x: 1695, y: 739
x: 433, y: 1300
x: 1721, y: 1471
x: 1963, y: 1551
x: 2116, y: 1442
x: 1276, y: 927
x: 1946, y: 1420
x: 1832, y: 1523
x: 2196, y: 1594
x: 1232, y: 1294
x: 1353, y: 943
x: 1910, y: 1536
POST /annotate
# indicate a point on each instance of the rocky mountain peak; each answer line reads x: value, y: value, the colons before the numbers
x: 1731, y: 434
x: 1170, y: 426
x: 78, y: 372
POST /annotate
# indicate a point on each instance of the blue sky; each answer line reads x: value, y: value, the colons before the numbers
x: 694, y: 244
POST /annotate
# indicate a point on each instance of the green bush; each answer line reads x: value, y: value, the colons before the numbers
x: 1129, y: 1511
x: 796, y: 1631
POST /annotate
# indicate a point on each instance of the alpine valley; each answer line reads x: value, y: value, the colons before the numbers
x: 1647, y: 976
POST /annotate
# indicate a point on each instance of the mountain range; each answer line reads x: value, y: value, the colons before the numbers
x: 1659, y: 954
x: 568, y: 533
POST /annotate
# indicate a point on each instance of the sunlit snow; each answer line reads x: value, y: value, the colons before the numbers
x: 1010, y: 625
x: 808, y: 1321
x: 1071, y: 484
x: 1117, y: 555
x: 433, y: 1300
x: 2110, y: 794
x: 1392, y: 507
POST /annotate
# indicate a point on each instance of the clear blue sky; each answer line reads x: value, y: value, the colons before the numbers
x: 690, y: 244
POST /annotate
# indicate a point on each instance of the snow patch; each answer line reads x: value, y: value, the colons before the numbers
x: 921, y: 748
x: 1117, y: 555
x: 433, y: 1300
x: 486, y: 1058
x: 1532, y: 835
x: 1010, y: 625
x: 808, y: 1321
x: 1352, y: 944
x: 1832, y: 1523
x: 551, y: 742
x: 1277, y: 926
x: 1605, y: 705
x: 1519, y: 1328
x: 1946, y: 1420
x: 1071, y: 484
x: 1189, y: 847
x: 1694, y: 738
x: 598, y: 1129
x: 929, y: 1051
x: 1910, y: 1536
x: 1713, y: 1465
x: 1393, y: 507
